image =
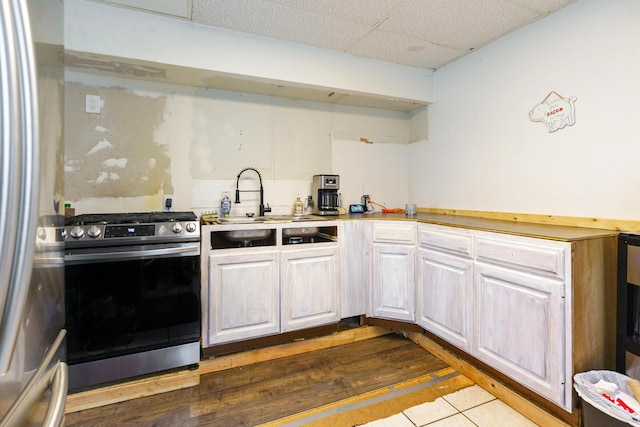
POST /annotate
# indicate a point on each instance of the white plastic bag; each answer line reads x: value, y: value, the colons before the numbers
x: 584, y: 385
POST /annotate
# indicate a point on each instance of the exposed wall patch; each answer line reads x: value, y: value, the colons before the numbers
x: 115, y: 163
x: 103, y: 144
x: 122, y: 138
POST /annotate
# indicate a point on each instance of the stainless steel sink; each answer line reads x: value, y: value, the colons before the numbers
x: 296, y: 218
x: 299, y: 232
x: 276, y: 218
x: 246, y: 236
x: 241, y: 220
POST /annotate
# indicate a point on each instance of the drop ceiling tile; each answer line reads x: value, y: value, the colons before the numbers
x: 458, y: 23
x: 400, y: 49
x: 367, y: 12
x: 419, y: 33
x: 284, y: 23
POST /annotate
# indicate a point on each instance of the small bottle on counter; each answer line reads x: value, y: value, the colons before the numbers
x: 68, y: 210
x: 298, y: 207
x: 225, y: 206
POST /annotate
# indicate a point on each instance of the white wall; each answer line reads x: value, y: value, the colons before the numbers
x: 483, y: 152
x: 378, y: 170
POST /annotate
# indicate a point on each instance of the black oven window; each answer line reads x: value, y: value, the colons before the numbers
x: 124, y: 307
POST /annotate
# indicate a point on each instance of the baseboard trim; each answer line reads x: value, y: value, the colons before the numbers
x: 117, y: 393
x: 524, y: 406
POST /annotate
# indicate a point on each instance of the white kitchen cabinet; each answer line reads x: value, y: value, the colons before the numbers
x: 355, y: 266
x: 310, y: 287
x: 537, y: 309
x: 284, y: 280
x: 445, y: 283
x: 244, y: 296
x: 521, y: 318
x: 393, y: 271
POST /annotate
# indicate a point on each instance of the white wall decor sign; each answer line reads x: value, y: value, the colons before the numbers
x: 556, y: 113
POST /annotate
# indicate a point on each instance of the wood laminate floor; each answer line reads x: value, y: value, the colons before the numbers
x: 267, y: 391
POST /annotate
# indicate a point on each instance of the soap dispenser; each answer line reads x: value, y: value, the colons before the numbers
x: 225, y: 206
x: 298, y: 207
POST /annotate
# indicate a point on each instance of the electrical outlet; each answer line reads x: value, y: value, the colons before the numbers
x: 92, y: 104
x: 168, y: 203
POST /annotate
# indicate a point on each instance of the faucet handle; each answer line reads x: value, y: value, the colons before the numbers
x: 267, y: 208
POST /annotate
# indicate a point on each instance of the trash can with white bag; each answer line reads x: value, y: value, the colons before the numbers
x: 607, y: 399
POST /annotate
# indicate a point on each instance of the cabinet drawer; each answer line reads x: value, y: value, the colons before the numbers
x: 441, y: 239
x: 525, y: 255
x: 388, y: 231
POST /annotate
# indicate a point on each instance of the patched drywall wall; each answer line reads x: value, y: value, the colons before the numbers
x: 153, y: 139
x: 114, y: 153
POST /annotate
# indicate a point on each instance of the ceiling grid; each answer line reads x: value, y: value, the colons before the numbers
x: 417, y: 33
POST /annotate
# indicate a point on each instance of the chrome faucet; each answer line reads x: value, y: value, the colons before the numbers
x: 261, y: 190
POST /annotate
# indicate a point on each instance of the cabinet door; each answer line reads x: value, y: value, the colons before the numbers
x: 393, y: 281
x: 244, y: 296
x: 355, y: 270
x: 445, y: 296
x: 520, y: 328
x: 310, y: 288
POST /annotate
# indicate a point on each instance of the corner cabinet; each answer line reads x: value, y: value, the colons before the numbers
x: 393, y: 270
x: 355, y: 266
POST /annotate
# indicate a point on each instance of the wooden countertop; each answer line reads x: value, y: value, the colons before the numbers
x: 520, y: 228
x: 544, y: 231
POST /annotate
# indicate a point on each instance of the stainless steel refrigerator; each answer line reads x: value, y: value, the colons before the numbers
x: 33, y: 376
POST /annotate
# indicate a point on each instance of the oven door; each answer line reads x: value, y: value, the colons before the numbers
x: 130, y: 299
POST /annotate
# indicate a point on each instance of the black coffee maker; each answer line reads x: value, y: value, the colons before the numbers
x: 324, y: 189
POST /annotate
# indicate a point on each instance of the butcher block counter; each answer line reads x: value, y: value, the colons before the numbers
x: 542, y: 231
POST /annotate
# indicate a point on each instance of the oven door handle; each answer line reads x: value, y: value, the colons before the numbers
x: 137, y: 254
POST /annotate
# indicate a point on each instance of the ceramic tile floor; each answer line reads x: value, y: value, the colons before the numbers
x: 469, y: 407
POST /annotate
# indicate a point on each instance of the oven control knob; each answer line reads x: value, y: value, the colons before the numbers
x: 191, y: 227
x: 77, y: 232
x: 93, y: 231
x: 177, y: 228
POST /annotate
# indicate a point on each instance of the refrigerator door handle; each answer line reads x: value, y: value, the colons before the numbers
x: 55, y: 378
x: 55, y: 412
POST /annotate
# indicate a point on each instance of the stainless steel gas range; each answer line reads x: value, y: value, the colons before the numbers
x: 132, y: 295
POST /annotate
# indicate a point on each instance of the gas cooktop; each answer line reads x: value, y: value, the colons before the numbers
x: 130, y: 228
x: 130, y: 218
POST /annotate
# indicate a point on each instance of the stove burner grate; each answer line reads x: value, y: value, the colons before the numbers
x: 130, y: 218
